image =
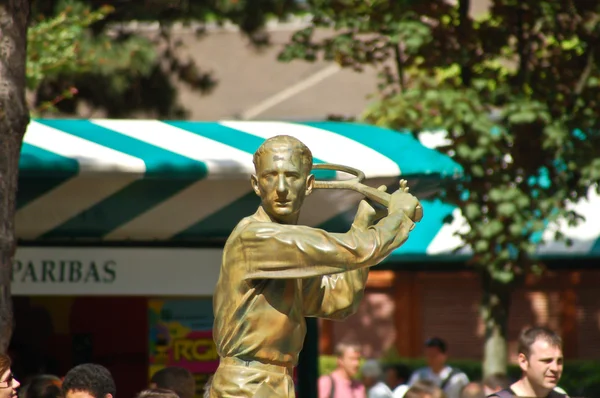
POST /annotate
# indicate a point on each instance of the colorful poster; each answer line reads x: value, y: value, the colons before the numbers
x: 181, y: 335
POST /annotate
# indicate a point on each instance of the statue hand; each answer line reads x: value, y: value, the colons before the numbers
x: 401, y: 200
x: 366, y: 214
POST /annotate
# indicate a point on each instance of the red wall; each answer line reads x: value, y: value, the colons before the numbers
x: 117, y: 328
x: 119, y: 334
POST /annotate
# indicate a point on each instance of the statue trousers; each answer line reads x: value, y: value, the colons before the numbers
x: 237, y: 378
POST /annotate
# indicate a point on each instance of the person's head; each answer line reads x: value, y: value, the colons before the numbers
x: 371, y: 373
x: 89, y: 380
x: 424, y: 389
x: 348, y: 358
x: 436, y: 353
x: 541, y: 358
x: 8, y: 384
x: 42, y: 386
x: 495, y: 382
x: 157, y: 393
x: 473, y: 390
x: 395, y: 375
x: 283, y: 177
x: 176, y: 379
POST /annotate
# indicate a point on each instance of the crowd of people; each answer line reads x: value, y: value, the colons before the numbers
x: 93, y: 381
x: 539, y: 355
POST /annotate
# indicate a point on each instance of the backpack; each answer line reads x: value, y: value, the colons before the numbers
x: 332, y: 391
x: 452, y: 373
x: 446, y: 380
x: 508, y: 393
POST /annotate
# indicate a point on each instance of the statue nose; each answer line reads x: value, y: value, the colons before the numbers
x: 281, y: 184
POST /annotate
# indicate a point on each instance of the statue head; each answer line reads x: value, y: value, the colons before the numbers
x: 283, y: 177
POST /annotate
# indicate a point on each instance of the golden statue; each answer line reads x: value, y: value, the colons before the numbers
x: 274, y: 272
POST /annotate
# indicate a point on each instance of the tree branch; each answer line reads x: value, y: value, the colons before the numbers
x: 583, y: 79
x: 587, y: 71
x: 399, y: 66
x: 463, y: 15
x: 522, y: 48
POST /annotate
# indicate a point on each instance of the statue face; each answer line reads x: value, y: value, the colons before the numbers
x: 282, y: 182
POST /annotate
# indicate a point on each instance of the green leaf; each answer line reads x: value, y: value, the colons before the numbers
x: 522, y: 201
x: 482, y: 246
x: 464, y: 151
x: 507, y: 209
x: 504, y: 255
x: 503, y: 276
x: 516, y: 229
x: 491, y: 229
x: 477, y: 170
x: 472, y: 211
x: 497, y: 194
x: 522, y: 117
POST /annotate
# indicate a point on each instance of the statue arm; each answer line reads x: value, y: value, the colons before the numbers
x: 276, y: 251
x: 334, y: 296
x: 338, y: 296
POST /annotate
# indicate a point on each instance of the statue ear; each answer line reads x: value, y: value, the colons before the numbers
x: 310, y: 184
x: 254, y: 182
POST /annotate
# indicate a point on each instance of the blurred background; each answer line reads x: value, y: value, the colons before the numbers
x: 134, y: 170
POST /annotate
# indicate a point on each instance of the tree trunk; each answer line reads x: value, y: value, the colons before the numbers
x: 14, y: 117
x: 494, y: 310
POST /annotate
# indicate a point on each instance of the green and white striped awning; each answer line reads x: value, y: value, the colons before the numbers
x: 434, y: 239
x: 147, y: 180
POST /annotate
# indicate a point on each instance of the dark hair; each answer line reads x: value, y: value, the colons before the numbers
x: 176, y: 379
x: 497, y: 380
x: 5, y: 363
x: 43, y: 386
x: 157, y: 393
x: 530, y: 336
x: 402, y: 371
x: 436, y: 342
x: 91, y: 378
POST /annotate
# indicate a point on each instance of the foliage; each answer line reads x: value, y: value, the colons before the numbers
x: 97, y: 54
x: 522, y: 165
x: 580, y: 378
x: 518, y: 93
x: 62, y: 49
x: 62, y: 45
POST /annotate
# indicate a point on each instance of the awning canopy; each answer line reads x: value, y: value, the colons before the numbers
x: 434, y: 240
x: 181, y: 149
x: 147, y: 180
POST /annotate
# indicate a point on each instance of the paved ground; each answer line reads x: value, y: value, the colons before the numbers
x: 254, y: 85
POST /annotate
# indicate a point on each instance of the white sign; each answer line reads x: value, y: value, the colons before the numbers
x: 65, y: 271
